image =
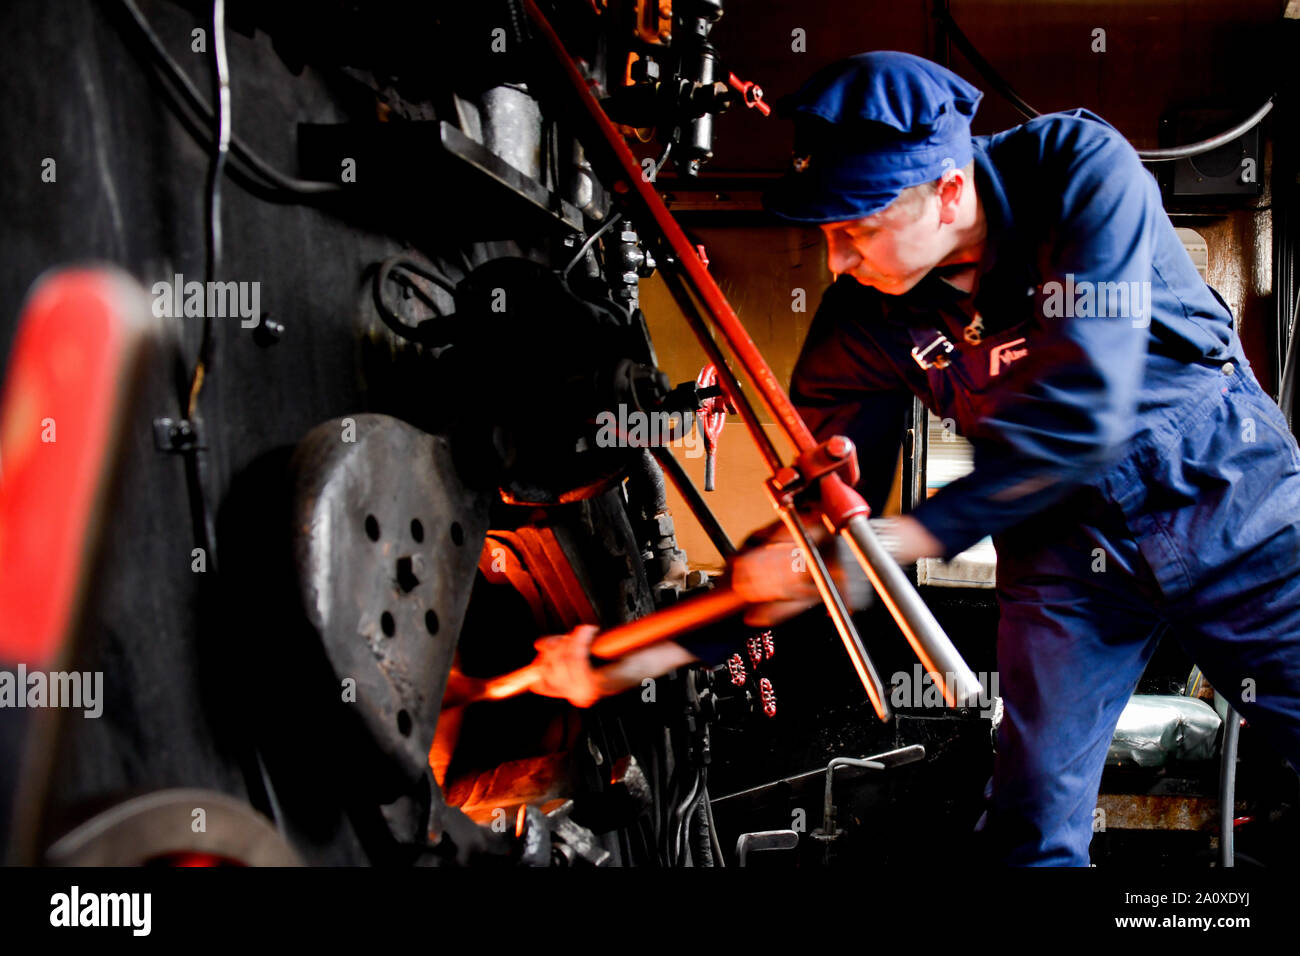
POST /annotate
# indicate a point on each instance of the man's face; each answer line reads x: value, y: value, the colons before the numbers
x: 891, y: 250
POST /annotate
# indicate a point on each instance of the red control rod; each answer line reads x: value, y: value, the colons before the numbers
x: 842, y: 507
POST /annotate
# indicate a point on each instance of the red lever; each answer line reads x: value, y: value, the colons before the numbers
x: 711, y: 416
x: 751, y: 93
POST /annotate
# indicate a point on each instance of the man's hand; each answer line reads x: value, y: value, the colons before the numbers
x: 772, y: 573
x: 563, y: 667
x: 906, y: 539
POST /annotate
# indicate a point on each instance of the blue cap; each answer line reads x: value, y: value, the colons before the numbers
x: 868, y: 127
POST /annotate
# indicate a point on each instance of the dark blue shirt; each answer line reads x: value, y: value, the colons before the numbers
x: 1091, y: 310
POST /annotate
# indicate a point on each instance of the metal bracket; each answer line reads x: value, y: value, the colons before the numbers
x: 836, y: 454
x: 176, y: 435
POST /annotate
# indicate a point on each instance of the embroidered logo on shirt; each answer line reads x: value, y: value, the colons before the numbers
x: 1004, y: 354
x: 801, y: 163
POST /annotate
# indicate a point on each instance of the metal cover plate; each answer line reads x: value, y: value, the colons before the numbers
x: 386, y: 543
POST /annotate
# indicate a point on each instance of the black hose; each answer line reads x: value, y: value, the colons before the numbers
x: 686, y: 833
x: 668, y: 808
x: 719, y: 859
x: 648, y: 489
x: 680, y: 815
x: 702, y: 842
x: 427, y: 331
x: 985, y: 69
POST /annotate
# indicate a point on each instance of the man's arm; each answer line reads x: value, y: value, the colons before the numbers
x: 1064, y: 411
x: 843, y: 385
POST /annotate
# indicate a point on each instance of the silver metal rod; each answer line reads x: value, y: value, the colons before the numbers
x: 950, y: 672
x: 898, y: 757
x: 830, y: 594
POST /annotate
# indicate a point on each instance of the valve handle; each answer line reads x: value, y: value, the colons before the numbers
x: 711, y: 417
x: 751, y: 93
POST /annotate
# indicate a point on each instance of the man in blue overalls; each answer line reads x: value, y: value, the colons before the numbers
x: 1030, y: 287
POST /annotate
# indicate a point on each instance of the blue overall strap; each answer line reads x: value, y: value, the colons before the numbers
x: 930, y: 347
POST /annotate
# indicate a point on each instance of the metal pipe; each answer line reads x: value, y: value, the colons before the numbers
x: 694, y: 500
x: 839, y: 613
x: 1205, y: 145
x: 828, y: 834
x: 1228, y: 788
x: 926, y: 636
x: 828, y: 804
x: 898, y: 757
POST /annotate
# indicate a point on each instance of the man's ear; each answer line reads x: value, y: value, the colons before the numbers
x: 951, y: 188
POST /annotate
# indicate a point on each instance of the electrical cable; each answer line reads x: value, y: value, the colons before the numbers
x: 261, y: 789
x: 692, y: 813
x: 669, y: 803
x: 465, y: 260
x: 700, y: 839
x: 663, y: 157
x: 196, y: 468
x: 221, y: 150
x: 680, y: 816
x: 239, y: 150
x: 654, y: 798
x: 426, y: 331
x: 582, y: 250
x: 995, y: 80
x: 713, y: 831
